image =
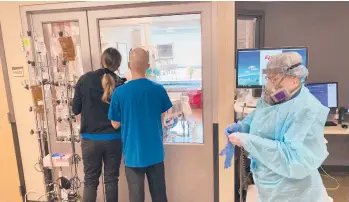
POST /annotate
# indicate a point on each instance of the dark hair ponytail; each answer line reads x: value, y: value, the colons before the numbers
x: 111, y: 60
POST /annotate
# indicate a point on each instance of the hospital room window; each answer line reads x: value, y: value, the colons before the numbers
x: 246, y: 32
x: 174, y: 45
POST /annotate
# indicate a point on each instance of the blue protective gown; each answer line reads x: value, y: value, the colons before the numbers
x: 286, y: 146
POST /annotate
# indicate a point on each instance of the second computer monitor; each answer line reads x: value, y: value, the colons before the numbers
x: 326, y: 93
x: 251, y: 62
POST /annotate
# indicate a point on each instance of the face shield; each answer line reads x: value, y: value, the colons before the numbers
x: 278, y: 68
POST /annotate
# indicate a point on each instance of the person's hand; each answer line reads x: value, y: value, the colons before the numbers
x: 233, y: 128
x: 235, y: 140
x: 78, y: 118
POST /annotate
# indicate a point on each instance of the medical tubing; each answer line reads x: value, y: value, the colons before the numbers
x: 242, y: 165
x: 329, y: 176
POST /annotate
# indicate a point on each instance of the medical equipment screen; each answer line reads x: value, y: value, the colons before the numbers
x: 251, y: 62
x: 326, y: 93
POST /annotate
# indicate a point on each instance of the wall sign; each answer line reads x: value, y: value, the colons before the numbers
x: 17, y: 72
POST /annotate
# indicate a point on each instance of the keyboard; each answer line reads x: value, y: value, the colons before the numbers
x: 330, y: 123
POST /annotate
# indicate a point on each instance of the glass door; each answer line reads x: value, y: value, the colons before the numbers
x: 61, y: 77
x: 178, y: 38
x: 174, y: 43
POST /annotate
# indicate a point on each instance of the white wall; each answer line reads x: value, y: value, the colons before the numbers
x: 8, y: 170
x: 110, y: 36
x: 186, y: 46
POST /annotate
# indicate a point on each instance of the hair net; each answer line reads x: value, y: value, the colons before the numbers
x: 289, y: 63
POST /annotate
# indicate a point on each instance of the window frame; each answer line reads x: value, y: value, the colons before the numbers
x: 260, y: 25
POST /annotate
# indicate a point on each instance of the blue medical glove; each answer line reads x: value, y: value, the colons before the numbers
x: 233, y: 128
x: 228, y: 152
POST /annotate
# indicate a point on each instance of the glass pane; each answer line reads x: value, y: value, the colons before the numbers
x: 246, y: 38
x: 246, y: 31
x: 174, y: 44
x: 61, y: 73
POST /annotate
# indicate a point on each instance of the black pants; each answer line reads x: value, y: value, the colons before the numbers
x: 94, y: 154
x: 156, y: 181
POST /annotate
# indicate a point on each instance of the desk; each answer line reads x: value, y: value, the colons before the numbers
x: 252, y: 194
x: 336, y: 130
x: 338, y: 148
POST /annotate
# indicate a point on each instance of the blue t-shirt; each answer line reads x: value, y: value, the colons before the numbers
x: 138, y: 105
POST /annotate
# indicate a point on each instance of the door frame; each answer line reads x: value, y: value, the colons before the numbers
x: 204, y: 9
x: 27, y: 11
x: 12, y: 118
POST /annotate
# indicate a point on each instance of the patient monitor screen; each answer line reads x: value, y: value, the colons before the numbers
x: 250, y: 64
x: 326, y: 93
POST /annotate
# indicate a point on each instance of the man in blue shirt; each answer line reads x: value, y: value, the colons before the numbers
x: 139, y: 107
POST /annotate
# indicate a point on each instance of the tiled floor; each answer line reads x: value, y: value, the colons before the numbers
x: 342, y: 193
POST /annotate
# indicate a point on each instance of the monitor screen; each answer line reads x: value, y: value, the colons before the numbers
x: 251, y: 62
x: 326, y: 93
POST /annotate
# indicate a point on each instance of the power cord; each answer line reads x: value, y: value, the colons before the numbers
x: 242, y: 164
x: 73, y: 184
x: 40, y: 164
x: 243, y: 177
x: 46, y: 194
x: 242, y: 173
x: 63, y: 183
x: 39, y: 199
x: 329, y: 176
x: 75, y: 180
x: 73, y: 195
x: 26, y: 195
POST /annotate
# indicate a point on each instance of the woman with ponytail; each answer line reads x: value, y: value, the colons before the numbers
x: 101, y: 143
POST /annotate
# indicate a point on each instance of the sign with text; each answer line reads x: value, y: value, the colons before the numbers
x: 17, y: 71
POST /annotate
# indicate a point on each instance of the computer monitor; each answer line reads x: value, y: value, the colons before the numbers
x: 326, y: 93
x: 251, y: 62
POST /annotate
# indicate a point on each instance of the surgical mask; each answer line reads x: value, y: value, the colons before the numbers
x: 275, y: 94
